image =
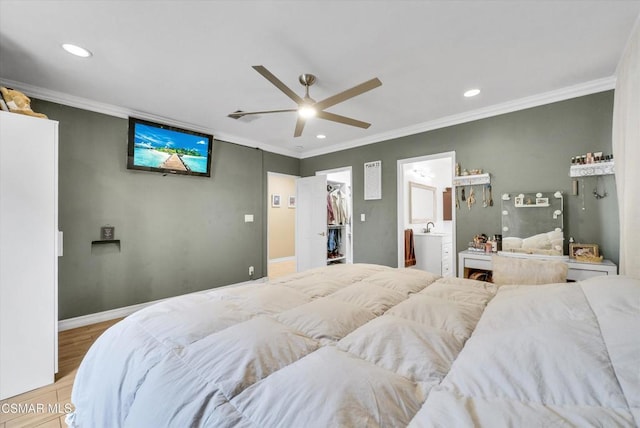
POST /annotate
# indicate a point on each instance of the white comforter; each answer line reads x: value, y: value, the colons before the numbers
x: 346, y: 345
x: 547, y: 356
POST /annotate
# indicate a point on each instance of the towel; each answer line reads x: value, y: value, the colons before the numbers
x: 409, y: 251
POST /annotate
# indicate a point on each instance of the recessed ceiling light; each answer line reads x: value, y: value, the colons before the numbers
x: 321, y: 136
x: 472, y: 93
x: 76, y: 50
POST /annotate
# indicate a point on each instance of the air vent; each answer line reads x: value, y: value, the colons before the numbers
x: 248, y: 118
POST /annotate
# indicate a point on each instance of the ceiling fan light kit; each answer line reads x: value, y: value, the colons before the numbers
x: 306, y: 111
x: 307, y: 106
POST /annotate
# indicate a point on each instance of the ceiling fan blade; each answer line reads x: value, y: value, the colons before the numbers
x: 278, y: 84
x: 342, y: 119
x: 238, y: 114
x: 349, y: 93
x: 299, y: 127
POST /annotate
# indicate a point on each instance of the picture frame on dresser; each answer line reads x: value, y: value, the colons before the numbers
x: 583, y: 250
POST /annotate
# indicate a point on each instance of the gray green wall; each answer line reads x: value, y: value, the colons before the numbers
x: 178, y: 234
x: 182, y: 234
x: 525, y: 151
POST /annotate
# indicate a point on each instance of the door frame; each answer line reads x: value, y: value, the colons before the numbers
x: 401, y: 202
x: 270, y: 174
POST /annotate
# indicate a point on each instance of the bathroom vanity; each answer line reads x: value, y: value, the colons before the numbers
x: 433, y: 253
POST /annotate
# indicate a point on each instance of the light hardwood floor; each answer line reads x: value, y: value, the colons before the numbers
x: 277, y: 269
x: 72, y: 346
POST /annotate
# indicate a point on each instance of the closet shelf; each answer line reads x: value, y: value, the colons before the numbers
x: 471, y: 180
x: 590, y: 169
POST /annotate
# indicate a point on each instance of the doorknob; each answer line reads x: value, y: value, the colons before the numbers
x: 321, y: 233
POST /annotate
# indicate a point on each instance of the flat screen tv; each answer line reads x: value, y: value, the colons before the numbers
x: 167, y: 149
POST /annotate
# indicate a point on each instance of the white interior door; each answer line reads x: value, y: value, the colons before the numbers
x: 311, y: 222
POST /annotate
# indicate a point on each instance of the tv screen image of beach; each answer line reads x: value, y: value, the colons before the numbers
x: 163, y: 148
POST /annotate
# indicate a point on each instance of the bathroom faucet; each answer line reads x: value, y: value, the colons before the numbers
x: 428, y: 228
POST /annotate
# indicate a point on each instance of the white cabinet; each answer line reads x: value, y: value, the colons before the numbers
x: 28, y: 252
x: 433, y: 253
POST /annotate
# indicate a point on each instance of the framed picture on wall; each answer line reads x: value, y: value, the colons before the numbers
x: 292, y: 201
x: 107, y: 233
x: 275, y: 201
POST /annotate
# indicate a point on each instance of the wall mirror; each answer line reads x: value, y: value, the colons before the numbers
x: 532, y: 223
x: 422, y: 201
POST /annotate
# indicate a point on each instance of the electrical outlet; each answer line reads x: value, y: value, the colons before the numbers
x: 250, y: 270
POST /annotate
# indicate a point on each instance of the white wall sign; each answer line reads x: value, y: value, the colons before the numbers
x: 373, y: 180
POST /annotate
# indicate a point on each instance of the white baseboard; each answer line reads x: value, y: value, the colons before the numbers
x: 282, y: 259
x: 85, y: 320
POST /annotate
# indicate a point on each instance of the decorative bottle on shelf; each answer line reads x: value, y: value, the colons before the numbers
x: 498, y: 239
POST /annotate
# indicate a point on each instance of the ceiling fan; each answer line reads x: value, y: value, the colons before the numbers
x: 307, y: 106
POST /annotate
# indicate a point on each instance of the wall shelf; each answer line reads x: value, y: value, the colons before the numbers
x: 591, y: 169
x: 106, y: 241
x: 472, y: 180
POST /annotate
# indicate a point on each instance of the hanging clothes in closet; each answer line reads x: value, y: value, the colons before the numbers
x: 337, y: 207
x: 334, y: 242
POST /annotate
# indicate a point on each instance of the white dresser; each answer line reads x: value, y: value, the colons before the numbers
x: 28, y: 253
x: 433, y: 253
x: 471, y: 260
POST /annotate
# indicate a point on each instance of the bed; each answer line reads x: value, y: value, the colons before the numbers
x: 367, y: 345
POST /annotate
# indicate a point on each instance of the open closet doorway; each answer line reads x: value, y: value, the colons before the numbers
x: 339, y: 222
x: 426, y: 206
x: 323, y: 226
x: 281, y: 224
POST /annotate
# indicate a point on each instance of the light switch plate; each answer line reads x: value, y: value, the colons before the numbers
x: 362, y: 217
x: 248, y: 218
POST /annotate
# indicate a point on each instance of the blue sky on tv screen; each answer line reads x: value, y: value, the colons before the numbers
x: 153, y: 137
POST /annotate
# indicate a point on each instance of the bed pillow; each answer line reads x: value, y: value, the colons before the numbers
x: 538, y: 241
x: 511, y: 242
x: 522, y: 271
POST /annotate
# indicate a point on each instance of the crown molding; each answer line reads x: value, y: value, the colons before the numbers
x: 582, y: 89
x: 124, y: 113
x: 587, y: 88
